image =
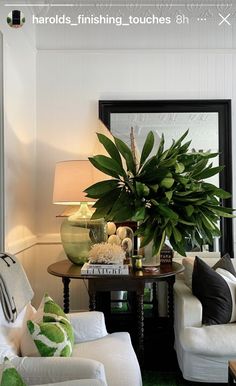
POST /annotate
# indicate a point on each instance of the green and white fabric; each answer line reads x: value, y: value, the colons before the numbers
x: 9, y: 376
x: 51, y: 330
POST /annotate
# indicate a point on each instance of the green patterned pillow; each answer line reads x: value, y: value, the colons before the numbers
x: 9, y: 376
x: 53, y: 335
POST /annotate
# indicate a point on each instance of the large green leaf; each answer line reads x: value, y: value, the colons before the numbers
x: 122, y: 209
x: 98, y: 166
x: 147, y: 147
x: 100, y: 188
x: 220, y: 211
x: 161, y: 146
x: 127, y: 154
x: 221, y: 193
x: 168, y: 212
x: 189, y: 210
x: 178, y: 247
x: 100, y: 213
x: 199, y: 167
x: 167, y: 163
x: 186, y: 222
x: 108, y: 199
x: 139, y: 214
x: 110, y: 148
x: 180, y: 140
x: 177, y: 235
x: 184, y: 147
x: 209, y: 172
x: 158, y: 241
x: 109, y: 164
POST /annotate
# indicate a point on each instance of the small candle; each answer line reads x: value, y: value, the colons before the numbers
x: 137, y: 262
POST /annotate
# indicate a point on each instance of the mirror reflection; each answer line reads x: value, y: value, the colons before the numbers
x: 203, y: 130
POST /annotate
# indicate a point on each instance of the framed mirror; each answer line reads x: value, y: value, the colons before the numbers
x: 209, y: 124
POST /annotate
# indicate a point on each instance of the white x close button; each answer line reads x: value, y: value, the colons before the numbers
x: 224, y: 19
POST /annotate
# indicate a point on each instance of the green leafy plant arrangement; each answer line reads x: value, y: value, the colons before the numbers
x: 165, y: 193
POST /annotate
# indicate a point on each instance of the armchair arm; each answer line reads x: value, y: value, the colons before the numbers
x: 188, y: 309
x: 58, y: 369
x: 88, y: 325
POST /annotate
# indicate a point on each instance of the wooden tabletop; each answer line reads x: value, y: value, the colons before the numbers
x: 67, y: 269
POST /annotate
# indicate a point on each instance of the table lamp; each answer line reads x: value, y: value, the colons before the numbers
x: 78, y: 231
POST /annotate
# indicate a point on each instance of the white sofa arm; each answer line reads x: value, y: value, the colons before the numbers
x: 58, y: 369
x: 88, y: 325
x: 80, y: 382
x: 188, y: 309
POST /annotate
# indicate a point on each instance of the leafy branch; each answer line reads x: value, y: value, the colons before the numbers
x: 165, y: 193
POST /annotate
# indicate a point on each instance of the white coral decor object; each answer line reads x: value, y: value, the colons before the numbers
x: 106, y: 253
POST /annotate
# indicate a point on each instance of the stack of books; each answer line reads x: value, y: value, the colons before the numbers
x: 104, y: 269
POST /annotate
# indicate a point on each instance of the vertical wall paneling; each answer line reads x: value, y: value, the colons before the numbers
x: 1, y: 149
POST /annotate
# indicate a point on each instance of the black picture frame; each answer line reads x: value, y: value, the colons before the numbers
x: 220, y: 106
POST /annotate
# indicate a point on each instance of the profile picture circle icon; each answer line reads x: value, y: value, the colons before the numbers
x: 16, y: 19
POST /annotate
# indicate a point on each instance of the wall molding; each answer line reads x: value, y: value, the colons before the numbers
x: 49, y: 238
x: 150, y: 51
x: 23, y: 244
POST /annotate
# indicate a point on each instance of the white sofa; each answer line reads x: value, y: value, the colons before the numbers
x: 203, y: 352
x: 98, y: 359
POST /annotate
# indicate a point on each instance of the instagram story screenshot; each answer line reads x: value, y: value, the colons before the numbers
x: 117, y: 192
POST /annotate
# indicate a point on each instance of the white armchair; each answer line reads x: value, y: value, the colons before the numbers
x: 203, y: 351
x: 104, y: 359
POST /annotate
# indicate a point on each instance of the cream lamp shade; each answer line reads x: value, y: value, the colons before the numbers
x: 71, y: 179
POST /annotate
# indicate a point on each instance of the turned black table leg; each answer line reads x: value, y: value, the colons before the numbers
x: 92, y: 301
x: 170, y: 298
x: 171, y: 281
x: 66, y: 283
x: 140, y: 326
x: 155, y: 301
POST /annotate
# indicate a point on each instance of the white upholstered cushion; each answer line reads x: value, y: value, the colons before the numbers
x: 114, y: 351
x: 88, y: 325
x: 212, y: 340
